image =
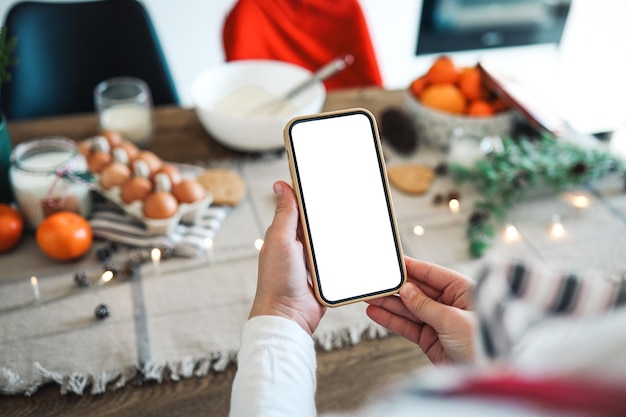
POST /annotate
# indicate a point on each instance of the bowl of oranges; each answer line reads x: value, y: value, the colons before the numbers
x: 448, y: 99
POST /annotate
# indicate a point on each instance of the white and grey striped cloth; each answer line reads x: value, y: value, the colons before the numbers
x: 111, y: 223
x: 511, y: 298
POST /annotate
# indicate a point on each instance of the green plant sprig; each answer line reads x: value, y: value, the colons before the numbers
x: 504, y: 178
x: 6, y: 48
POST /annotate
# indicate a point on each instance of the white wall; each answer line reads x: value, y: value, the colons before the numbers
x: 584, y: 79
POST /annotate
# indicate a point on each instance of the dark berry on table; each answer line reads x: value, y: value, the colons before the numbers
x: 438, y: 199
x: 113, y: 246
x: 102, y: 312
x: 441, y: 169
x: 478, y: 217
x: 521, y: 180
x: 167, y: 252
x: 139, y: 256
x: 81, y: 279
x: 579, y: 168
x: 104, y: 254
x: 130, y: 269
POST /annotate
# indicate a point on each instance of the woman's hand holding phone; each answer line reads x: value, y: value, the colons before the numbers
x: 282, y: 288
x: 433, y: 311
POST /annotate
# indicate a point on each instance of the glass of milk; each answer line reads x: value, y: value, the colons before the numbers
x: 124, y: 104
x: 44, y: 178
x: 465, y: 149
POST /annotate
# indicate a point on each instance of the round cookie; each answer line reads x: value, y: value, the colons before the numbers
x: 412, y: 179
x: 226, y: 186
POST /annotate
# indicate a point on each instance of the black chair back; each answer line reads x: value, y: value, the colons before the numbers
x: 65, y: 49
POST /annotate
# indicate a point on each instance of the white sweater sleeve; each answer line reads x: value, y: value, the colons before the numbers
x: 276, y: 370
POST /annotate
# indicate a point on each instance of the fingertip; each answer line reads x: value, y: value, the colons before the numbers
x: 408, y: 291
x: 369, y: 309
x: 279, y: 188
x: 286, y: 213
x: 284, y: 194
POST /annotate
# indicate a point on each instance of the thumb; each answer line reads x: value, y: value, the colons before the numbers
x: 422, y: 306
x: 286, y: 214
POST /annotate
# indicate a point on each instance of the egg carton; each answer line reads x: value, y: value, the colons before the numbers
x: 187, y: 212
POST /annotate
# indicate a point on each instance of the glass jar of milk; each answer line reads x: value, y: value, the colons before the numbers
x: 124, y: 104
x: 36, y: 177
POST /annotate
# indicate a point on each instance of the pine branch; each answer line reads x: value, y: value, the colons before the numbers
x: 504, y: 179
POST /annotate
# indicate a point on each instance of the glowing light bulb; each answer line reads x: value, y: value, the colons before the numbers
x: 557, y: 230
x: 155, y: 254
x: 106, y: 277
x: 35, y: 285
x: 455, y: 206
x: 580, y: 201
x: 511, y: 233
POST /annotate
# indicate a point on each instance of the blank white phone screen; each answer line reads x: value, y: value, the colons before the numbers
x: 346, y: 207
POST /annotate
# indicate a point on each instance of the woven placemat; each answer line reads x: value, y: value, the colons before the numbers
x: 184, y: 318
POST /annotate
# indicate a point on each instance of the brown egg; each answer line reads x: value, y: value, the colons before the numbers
x: 114, y: 174
x: 153, y: 161
x: 188, y: 191
x: 113, y: 137
x: 136, y: 188
x: 97, y: 160
x: 139, y: 186
x: 171, y: 171
x: 84, y: 147
x: 160, y: 205
x: 131, y: 150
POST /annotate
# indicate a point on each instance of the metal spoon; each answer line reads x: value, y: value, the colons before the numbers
x: 328, y: 70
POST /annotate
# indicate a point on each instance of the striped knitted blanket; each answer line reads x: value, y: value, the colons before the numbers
x: 111, y: 223
x: 512, y: 298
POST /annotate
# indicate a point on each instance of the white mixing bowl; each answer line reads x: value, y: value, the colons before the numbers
x: 229, y: 100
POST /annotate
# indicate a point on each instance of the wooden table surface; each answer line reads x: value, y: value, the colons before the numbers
x: 346, y: 377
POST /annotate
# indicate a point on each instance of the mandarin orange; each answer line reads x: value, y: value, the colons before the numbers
x: 64, y: 236
x: 418, y: 85
x: 480, y: 108
x: 471, y: 85
x: 443, y: 70
x: 499, y: 105
x: 11, y: 227
x: 444, y: 97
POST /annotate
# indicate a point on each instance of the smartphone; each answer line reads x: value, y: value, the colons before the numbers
x: 350, y: 232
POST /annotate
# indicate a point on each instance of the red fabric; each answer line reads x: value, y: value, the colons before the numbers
x: 309, y: 33
x: 598, y: 398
